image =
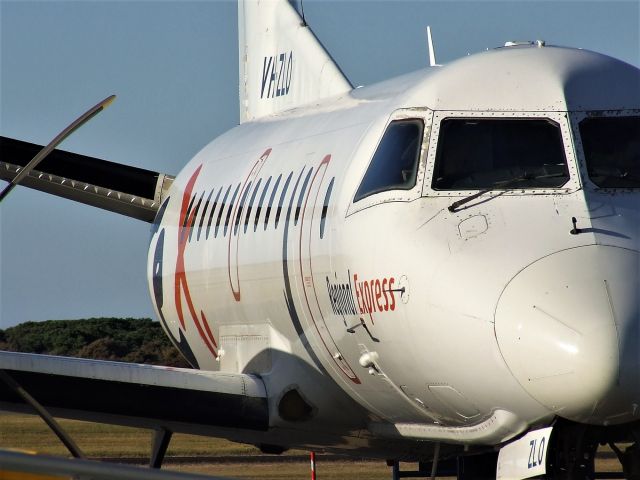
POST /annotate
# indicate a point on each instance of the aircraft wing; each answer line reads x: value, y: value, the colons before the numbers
x: 123, y: 189
x: 181, y: 400
x: 44, y: 467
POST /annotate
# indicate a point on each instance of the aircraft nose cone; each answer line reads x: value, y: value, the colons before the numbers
x: 568, y: 327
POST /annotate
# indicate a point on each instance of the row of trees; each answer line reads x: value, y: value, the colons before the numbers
x: 138, y: 340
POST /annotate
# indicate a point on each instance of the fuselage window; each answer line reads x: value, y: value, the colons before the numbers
x: 250, y: 207
x: 204, y: 213
x: 325, y: 207
x: 476, y: 153
x: 230, y: 205
x: 273, y: 196
x: 293, y: 197
x: 195, y: 217
x: 213, y: 209
x: 612, y: 151
x: 262, y: 196
x: 284, y: 191
x: 158, y: 220
x: 241, y: 208
x: 222, y: 205
x: 394, y: 166
x: 188, y: 212
x: 301, y: 196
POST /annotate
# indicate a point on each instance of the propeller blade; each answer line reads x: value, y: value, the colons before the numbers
x: 77, y: 123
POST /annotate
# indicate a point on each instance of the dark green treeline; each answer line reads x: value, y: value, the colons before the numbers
x: 138, y: 340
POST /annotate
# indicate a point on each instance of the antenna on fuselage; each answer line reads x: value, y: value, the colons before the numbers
x: 432, y: 52
x: 299, y: 7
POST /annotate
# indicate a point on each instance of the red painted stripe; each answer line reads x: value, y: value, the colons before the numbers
x: 181, y: 283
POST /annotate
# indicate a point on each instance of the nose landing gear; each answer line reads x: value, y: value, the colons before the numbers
x: 573, y: 447
x: 629, y: 458
x: 572, y: 452
x: 472, y: 467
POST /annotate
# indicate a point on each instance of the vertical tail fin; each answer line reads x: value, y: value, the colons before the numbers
x: 282, y: 63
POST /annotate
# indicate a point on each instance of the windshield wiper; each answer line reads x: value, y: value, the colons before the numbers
x: 609, y: 175
x: 503, y: 184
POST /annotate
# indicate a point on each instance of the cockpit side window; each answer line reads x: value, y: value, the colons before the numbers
x: 394, y: 165
x: 612, y: 150
x: 478, y: 153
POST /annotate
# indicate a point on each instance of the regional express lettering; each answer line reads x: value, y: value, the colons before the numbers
x: 341, y: 298
x: 375, y: 295
x: 371, y: 296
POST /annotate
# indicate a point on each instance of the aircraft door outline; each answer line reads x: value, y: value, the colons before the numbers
x: 309, y: 232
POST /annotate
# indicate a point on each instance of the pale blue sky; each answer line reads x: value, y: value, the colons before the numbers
x: 173, y: 65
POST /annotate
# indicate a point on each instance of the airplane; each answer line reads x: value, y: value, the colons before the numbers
x: 442, y: 267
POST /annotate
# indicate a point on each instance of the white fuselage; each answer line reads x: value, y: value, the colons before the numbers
x: 492, y: 316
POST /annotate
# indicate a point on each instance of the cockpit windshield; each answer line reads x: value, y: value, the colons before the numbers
x: 612, y: 150
x: 481, y: 153
x: 395, y: 164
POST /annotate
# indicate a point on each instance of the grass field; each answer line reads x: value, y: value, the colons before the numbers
x: 29, y: 432
x: 96, y: 440
x: 296, y: 470
x: 99, y: 440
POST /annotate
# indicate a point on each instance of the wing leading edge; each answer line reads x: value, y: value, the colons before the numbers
x: 137, y: 395
x: 119, y: 188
